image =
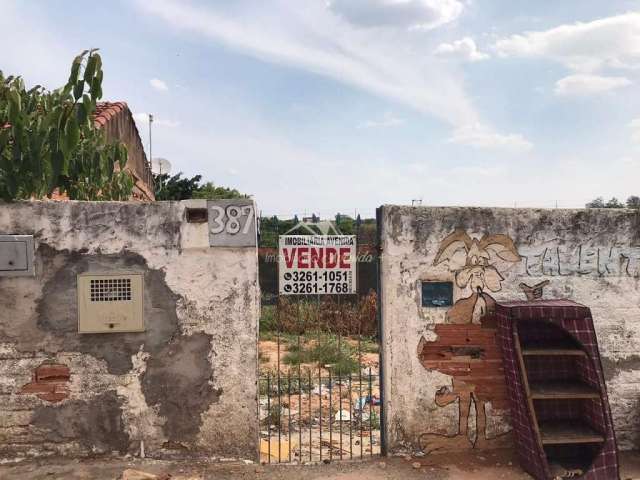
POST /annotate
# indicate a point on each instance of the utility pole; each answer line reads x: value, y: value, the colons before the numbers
x: 150, y: 151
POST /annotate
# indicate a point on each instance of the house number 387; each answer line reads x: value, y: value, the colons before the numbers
x: 231, y: 219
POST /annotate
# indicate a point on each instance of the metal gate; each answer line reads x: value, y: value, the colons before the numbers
x: 320, y: 397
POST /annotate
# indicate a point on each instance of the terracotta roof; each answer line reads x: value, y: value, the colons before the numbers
x: 105, y: 111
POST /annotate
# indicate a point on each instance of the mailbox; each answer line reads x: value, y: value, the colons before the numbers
x: 16, y: 256
x: 109, y: 303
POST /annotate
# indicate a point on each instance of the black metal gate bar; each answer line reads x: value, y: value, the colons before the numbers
x: 310, y: 422
x: 269, y: 416
x: 319, y: 409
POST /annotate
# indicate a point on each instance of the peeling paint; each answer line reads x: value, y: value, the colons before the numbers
x: 201, y: 316
x: 590, y: 256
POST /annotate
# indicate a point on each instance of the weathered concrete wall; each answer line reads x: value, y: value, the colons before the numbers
x: 437, y: 396
x: 185, y: 386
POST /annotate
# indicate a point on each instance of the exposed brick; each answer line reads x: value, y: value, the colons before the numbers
x: 50, y: 382
x: 52, y: 371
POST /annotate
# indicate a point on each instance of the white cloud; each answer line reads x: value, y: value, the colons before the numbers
x: 478, y: 136
x: 37, y: 53
x: 387, y: 120
x: 393, y: 66
x: 585, y: 84
x: 606, y: 42
x: 158, y: 84
x: 416, y: 14
x: 463, y: 49
x: 476, y: 171
x: 320, y: 42
x: 634, y: 125
x: 143, y: 119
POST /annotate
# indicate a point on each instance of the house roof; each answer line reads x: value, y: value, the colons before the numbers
x: 105, y: 111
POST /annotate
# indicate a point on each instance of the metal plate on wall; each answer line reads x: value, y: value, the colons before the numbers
x: 16, y: 256
x: 110, y: 302
x: 437, y: 294
x: 232, y: 223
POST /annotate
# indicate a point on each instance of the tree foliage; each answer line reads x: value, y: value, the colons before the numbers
x: 210, y: 191
x: 176, y: 187
x: 48, y: 140
x: 632, y: 202
x: 272, y: 227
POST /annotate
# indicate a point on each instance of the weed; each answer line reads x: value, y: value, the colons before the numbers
x: 262, y: 358
x: 325, y: 350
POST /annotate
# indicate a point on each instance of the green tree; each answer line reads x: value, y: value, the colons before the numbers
x: 48, y: 140
x: 633, y: 202
x: 596, y: 203
x: 175, y: 187
x: 614, y: 203
x: 211, y: 192
x: 600, y: 203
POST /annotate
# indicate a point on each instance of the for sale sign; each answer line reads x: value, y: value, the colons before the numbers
x: 317, y: 264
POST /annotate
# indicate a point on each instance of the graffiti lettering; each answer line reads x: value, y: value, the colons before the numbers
x: 598, y: 261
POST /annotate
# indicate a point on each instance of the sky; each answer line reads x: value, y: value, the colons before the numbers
x: 330, y: 106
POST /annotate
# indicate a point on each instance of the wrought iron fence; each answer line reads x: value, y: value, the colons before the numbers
x: 320, y: 396
x: 315, y: 418
x: 319, y: 390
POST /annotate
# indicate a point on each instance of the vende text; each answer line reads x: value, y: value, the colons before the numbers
x: 317, y: 257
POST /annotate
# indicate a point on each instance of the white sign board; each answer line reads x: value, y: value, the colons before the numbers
x: 317, y: 264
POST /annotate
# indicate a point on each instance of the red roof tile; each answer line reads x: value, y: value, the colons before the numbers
x: 105, y: 111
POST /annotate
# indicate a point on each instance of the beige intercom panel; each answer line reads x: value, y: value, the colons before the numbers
x: 110, y: 303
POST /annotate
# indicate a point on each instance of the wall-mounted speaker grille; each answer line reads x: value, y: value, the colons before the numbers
x: 111, y: 290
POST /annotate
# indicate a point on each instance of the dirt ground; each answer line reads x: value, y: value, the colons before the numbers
x: 470, y: 466
x: 269, y: 358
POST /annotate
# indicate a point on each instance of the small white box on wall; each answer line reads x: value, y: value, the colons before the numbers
x: 16, y: 256
x: 110, y: 302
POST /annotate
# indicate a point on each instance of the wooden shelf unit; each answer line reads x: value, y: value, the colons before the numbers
x: 556, y: 388
x: 559, y: 432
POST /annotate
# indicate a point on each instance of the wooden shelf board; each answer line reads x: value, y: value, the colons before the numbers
x: 552, y: 349
x: 558, y: 389
x: 558, y: 432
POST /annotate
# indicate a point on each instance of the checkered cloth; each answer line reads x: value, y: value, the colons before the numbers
x: 560, y: 318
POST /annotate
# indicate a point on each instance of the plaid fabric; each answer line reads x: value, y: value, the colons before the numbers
x: 571, y: 322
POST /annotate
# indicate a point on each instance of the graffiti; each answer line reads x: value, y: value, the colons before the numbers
x: 475, y: 271
x: 466, y: 348
x: 471, y: 356
x: 601, y: 261
x: 533, y: 292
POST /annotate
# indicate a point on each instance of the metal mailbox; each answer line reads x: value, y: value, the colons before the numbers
x: 16, y: 255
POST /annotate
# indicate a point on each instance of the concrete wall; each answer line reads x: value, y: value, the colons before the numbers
x: 186, y: 386
x: 443, y: 395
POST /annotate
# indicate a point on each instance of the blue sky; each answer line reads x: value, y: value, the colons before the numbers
x: 342, y: 105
